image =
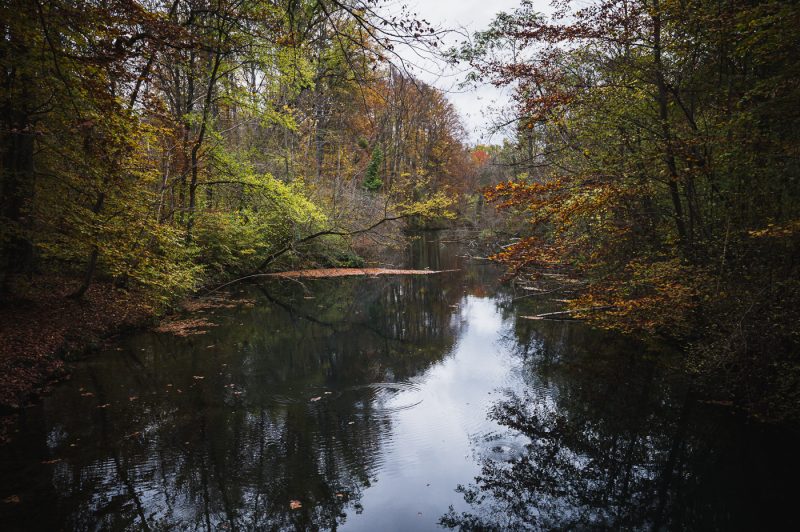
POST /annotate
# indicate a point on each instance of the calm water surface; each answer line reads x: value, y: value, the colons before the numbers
x: 394, y: 403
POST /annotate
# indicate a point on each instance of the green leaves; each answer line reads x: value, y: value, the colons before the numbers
x: 372, y: 180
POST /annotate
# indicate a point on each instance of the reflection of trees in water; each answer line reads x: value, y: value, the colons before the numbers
x: 230, y: 450
x: 612, y: 443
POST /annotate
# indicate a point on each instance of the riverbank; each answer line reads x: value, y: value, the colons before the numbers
x: 43, y: 328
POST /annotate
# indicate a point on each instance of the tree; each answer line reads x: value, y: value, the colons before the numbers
x: 657, y: 166
x: 372, y: 180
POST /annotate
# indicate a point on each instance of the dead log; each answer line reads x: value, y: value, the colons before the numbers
x: 565, y: 313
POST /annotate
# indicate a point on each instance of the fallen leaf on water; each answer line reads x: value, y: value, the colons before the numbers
x: 104, y: 406
x: 328, y: 393
x: 719, y: 403
x: 294, y: 505
x: 132, y: 398
x: 313, y: 399
x: 87, y: 394
x: 53, y: 461
x: 340, y: 495
x: 13, y: 499
x: 198, y: 377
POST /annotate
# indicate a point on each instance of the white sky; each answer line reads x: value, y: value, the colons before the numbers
x: 468, y: 16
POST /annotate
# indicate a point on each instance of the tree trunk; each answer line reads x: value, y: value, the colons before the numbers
x: 663, y: 111
x: 212, y: 79
x: 91, y: 267
x: 17, y: 163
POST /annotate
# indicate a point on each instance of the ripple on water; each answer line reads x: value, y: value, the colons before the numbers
x: 377, y: 398
x: 502, y: 447
x: 384, y: 398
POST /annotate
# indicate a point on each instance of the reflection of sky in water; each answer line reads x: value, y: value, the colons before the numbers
x: 431, y: 448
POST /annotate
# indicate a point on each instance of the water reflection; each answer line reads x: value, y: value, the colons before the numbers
x: 290, y: 399
x: 604, y: 436
x: 367, y: 401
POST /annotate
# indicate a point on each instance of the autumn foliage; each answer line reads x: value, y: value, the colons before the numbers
x: 660, y: 169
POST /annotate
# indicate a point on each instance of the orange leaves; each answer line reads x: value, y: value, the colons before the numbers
x: 479, y: 157
x: 646, y: 296
x: 574, y: 218
x: 525, y: 195
x: 584, y: 227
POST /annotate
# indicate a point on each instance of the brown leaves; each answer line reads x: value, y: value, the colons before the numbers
x: 295, y: 505
x: 185, y: 327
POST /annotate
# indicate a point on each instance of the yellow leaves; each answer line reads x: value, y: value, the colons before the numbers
x: 772, y: 230
x: 436, y: 206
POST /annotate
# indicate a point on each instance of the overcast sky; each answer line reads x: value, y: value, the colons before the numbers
x: 469, y: 16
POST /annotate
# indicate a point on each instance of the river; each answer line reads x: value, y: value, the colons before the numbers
x: 389, y: 403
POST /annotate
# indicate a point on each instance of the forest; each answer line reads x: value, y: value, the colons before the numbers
x: 657, y: 168
x: 645, y: 171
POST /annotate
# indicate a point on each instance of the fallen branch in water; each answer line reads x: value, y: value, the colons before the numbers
x: 535, y: 294
x: 566, y: 313
x: 324, y: 273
